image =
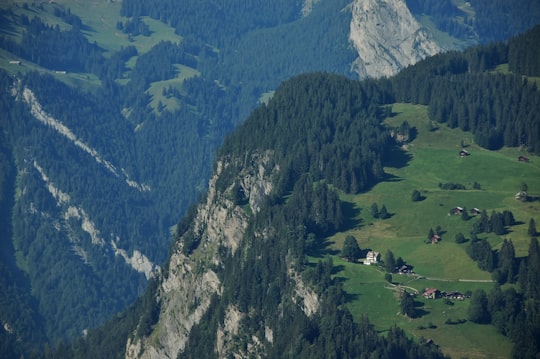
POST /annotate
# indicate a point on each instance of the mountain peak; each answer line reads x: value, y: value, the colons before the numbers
x: 387, y: 38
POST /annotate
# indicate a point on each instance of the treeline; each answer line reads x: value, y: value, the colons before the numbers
x: 158, y: 63
x: 325, y: 131
x: 134, y: 27
x: 75, y: 284
x: 492, y: 20
x: 291, y: 225
x: 213, y: 22
x: 514, y: 312
x: 69, y: 50
x: 109, y: 340
x: 524, y: 52
x: 446, y: 16
x: 499, y: 109
x: 65, y: 50
x: 322, y: 124
x: 498, y: 20
x: 503, y: 263
x: 90, y: 285
x: 50, y: 47
x: 337, y: 139
x: 261, y: 60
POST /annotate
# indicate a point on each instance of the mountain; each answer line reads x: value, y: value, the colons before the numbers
x: 112, y: 113
x: 252, y: 271
x: 388, y: 38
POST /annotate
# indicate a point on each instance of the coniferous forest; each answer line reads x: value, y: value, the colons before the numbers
x: 79, y: 207
x: 319, y: 118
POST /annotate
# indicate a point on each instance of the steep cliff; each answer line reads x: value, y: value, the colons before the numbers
x: 387, y: 37
x: 245, y: 245
x: 187, y: 287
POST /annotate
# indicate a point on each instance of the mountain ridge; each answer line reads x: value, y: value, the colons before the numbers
x: 284, y: 110
x: 171, y: 148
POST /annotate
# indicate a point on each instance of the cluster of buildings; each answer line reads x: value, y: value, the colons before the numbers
x: 434, y: 293
x: 459, y: 210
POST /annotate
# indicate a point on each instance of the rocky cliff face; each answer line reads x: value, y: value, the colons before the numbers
x: 387, y: 37
x: 186, y: 289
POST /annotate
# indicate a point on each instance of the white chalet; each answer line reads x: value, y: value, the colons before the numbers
x: 372, y: 257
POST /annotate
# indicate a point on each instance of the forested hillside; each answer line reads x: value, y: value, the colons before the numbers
x: 320, y: 137
x: 461, y: 91
x: 109, y: 129
x: 102, y: 164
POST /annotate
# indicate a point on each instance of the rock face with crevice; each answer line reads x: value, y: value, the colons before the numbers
x: 387, y: 38
x: 187, y: 287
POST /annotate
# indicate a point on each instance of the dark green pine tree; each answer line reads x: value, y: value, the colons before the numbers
x: 478, y: 307
x: 460, y: 238
x: 532, y: 228
x: 465, y: 214
x: 375, y: 210
x: 430, y: 234
x: 351, y: 250
x: 497, y: 223
x: 508, y: 218
x: 389, y: 262
x: 533, y: 270
x: 522, y: 276
x: 483, y: 223
x: 383, y: 213
x: 406, y: 304
x: 487, y: 261
x: 506, y: 262
x: 416, y: 196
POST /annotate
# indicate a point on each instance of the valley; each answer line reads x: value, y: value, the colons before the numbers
x: 115, y: 115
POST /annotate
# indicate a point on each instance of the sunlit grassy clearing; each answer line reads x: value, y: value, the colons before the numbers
x: 156, y: 88
x: 433, y: 159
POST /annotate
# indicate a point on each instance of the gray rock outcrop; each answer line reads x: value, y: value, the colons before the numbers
x: 387, y: 38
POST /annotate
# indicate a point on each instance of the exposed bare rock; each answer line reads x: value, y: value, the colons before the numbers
x: 256, y: 182
x: 305, y: 296
x: 387, y: 38
x: 228, y: 331
x: 137, y: 261
x: 307, y: 6
x: 42, y: 116
x: 186, y: 290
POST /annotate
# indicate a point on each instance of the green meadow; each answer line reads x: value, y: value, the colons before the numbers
x: 429, y: 159
x: 99, y: 19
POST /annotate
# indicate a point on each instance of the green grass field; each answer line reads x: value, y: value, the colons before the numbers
x: 433, y: 158
x: 99, y: 19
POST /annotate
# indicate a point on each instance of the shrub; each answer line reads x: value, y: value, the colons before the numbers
x: 460, y: 238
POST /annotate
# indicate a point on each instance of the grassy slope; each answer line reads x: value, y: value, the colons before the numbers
x: 433, y: 159
x: 100, y: 19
